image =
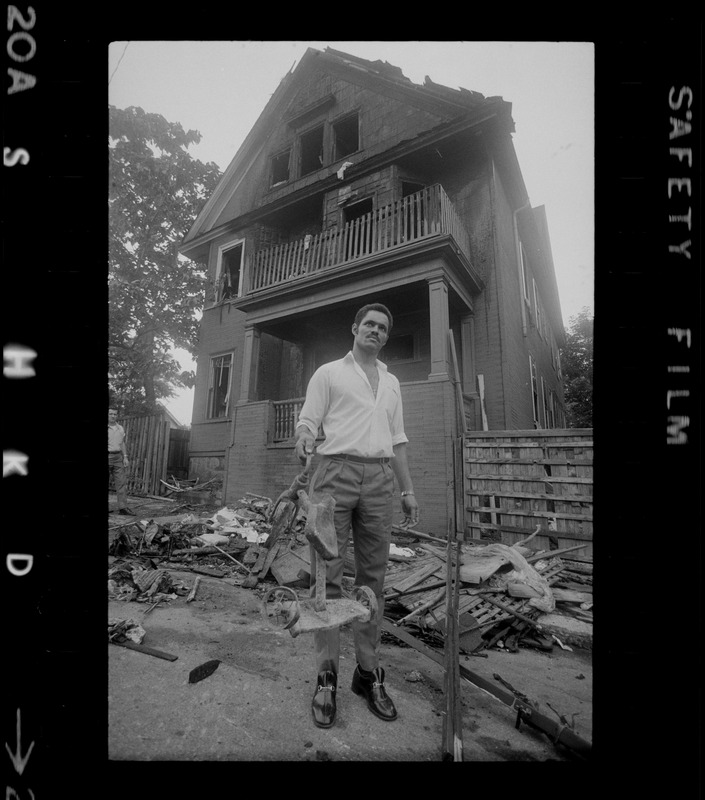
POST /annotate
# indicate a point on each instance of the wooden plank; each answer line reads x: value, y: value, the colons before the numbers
x: 563, y: 498
x: 542, y: 514
x: 557, y: 461
x: 415, y: 577
x: 150, y: 651
x: 542, y: 445
x: 542, y: 478
x: 562, y: 534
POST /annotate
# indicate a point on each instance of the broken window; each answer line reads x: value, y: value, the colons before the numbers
x: 312, y: 150
x: 230, y: 272
x: 346, y: 137
x: 219, y: 386
x: 280, y: 168
x: 399, y: 347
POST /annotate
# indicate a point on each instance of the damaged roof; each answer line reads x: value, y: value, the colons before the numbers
x: 383, y: 77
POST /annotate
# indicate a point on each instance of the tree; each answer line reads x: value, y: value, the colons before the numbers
x: 155, y: 294
x: 576, y: 363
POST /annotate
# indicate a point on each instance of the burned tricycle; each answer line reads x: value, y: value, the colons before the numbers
x: 281, y: 604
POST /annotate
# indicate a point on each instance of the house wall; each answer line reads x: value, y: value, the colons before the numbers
x: 516, y: 346
x: 222, y: 331
x: 429, y: 420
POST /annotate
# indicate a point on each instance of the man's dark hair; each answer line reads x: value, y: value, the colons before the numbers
x: 374, y: 307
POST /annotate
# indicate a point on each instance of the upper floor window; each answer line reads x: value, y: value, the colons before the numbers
x: 219, y: 386
x: 346, y: 137
x: 229, y: 271
x: 312, y: 150
x: 280, y: 168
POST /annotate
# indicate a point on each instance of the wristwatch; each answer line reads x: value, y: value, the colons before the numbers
x: 404, y: 494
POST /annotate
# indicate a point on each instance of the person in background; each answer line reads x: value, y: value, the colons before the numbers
x: 117, y: 460
x: 358, y: 404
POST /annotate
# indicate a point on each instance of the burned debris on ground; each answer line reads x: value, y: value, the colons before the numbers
x: 509, y: 596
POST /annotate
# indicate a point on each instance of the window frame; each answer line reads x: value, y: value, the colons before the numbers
x: 210, y: 395
x: 546, y: 409
x: 523, y: 264
x: 534, y: 386
x: 222, y: 250
x: 414, y: 346
x: 334, y: 124
x: 286, y: 152
x: 320, y: 126
x: 537, y: 305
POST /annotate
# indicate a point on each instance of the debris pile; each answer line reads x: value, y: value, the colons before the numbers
x: 506, y: 593
x: 509, y: 596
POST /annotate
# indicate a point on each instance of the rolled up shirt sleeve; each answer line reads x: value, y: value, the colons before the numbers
x: 316, y: 402
x: 396, y: 424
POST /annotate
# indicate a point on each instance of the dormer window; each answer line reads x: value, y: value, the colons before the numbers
x: 312, y: 150
x: 346, y: 137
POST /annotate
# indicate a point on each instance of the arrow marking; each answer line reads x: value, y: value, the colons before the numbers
x: 16, y: 758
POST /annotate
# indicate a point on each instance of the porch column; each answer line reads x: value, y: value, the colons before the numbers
x: 440, y: 323
x: 467, y: 352
x: 250, y: 364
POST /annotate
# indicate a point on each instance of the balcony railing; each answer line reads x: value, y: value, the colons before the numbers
x: 421, y: 215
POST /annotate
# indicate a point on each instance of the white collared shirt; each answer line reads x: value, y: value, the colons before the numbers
x: 116, y: 436
x: 340, y: 398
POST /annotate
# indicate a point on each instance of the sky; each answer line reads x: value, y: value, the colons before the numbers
x: 220, y: 88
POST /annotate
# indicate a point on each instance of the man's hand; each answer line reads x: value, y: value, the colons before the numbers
x: 411, y: 511
x: 304, y: 446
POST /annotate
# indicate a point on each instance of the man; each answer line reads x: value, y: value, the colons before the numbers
x: 358, y: 403
x: 117, y: 460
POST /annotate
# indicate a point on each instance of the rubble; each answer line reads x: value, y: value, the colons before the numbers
x: 509, y: 597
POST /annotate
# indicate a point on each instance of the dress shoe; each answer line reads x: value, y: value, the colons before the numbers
x: 127, y: 511
x: 370, y: 685
x: 323, y: 705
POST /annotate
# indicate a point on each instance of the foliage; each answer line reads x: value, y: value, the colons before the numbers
x: 577, y: 363
x: 155, y: 294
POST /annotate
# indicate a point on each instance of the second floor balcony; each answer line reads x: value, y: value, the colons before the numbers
x: 424, y: 215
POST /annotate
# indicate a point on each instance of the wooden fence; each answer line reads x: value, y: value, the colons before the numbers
x: 515, y: 481
x: 148, y: 450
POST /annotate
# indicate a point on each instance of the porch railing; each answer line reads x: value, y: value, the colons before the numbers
x: 424, y: 214
x: 286, y: 412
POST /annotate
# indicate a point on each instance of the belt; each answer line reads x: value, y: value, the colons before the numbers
x: 114, y: 452
x: 358, y: 459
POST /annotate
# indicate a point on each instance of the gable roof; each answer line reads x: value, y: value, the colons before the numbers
x: 379, y: 75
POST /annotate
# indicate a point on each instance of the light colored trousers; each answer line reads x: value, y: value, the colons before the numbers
x: 363, y: 503
x: 116, y: 466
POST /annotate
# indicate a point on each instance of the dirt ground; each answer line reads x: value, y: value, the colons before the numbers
x: 256, y: 705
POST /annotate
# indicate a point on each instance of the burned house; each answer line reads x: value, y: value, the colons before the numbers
x: 356, y: 185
